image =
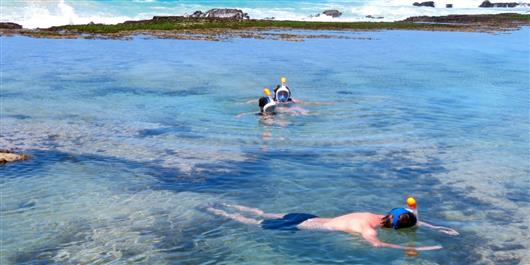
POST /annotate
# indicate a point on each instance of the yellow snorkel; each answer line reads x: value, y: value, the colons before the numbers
x: 267, y: 92
x: 411, y: 203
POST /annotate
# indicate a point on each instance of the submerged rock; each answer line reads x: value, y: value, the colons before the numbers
x: 9, y: 25
x: 490, y: 4
x: 428, y: 4
x: 228, y: 13
x: 332, y: 13
x: 7, y: 156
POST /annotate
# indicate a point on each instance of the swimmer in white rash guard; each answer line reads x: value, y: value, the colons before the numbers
x: 362, y: 224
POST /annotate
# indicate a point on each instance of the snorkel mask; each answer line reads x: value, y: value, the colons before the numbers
x: 396, y: 213
x: 282, y: 96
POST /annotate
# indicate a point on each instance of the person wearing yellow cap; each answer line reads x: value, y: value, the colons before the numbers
x: 282, y: 93
x: 363, y: 224
x: 266, y: 103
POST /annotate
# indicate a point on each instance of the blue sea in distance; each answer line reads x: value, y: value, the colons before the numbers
x: 131, y: 140
x: 33, y: 14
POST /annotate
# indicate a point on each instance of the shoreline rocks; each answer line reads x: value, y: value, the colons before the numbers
x: 427, y: 4
x: 7, y: 156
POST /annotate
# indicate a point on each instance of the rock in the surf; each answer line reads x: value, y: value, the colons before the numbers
x: 428, y: 4
x: 332, y: 13
x: 7, y: 156
x: 490, y: 4
x: 227, y: 13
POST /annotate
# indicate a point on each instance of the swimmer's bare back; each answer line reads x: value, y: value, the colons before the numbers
x: 363, y: 224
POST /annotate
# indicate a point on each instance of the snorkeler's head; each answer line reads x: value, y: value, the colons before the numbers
x: 399, y: 218
x: 283, y: 80
x: 282, y: 95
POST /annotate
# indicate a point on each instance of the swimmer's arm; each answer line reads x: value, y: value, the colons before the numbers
x: 442, y: 229
x: 252, y: 101
x: 371, y: 237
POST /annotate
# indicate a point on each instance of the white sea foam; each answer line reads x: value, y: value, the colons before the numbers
x: 32, y: 14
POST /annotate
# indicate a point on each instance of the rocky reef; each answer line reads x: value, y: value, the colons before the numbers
x: 230, y: 23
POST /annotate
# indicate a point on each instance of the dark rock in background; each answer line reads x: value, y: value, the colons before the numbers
x: 9, y: 25
x: 428, y: 4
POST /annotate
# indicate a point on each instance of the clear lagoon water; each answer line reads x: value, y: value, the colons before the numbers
x: 132, y: 139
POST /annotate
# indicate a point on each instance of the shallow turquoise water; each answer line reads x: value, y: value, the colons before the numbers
x: 132, y: 139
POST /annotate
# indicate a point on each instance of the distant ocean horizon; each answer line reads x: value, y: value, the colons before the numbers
x: 33, y: 14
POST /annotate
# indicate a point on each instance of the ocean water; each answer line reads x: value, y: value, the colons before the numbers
x: 131, y: 140
x: 33, y: 14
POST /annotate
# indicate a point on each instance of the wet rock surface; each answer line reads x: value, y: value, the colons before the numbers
x: 7, y: 156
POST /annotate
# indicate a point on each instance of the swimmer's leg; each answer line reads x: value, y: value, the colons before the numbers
x: 235, y: 217
x: 254, y: 211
